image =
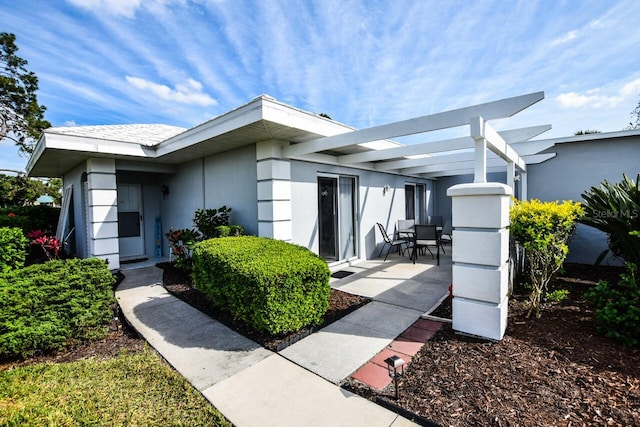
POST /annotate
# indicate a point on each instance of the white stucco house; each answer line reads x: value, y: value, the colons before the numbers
x: 294, y: 175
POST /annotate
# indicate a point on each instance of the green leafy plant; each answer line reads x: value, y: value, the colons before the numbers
x: 229, y: 230
x: 271, y: 285
x: 45, y: 307
x: 207, y: 220
x: 615, y: 210
x: 13, y: 248
x: 557, y: 295
x: 29, y: 218
x: 617, y: 307
x: 543, y: 229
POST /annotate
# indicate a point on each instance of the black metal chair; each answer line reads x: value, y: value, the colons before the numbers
x: 425, y: 236
x: 446, y: 235
x: 388, y: 241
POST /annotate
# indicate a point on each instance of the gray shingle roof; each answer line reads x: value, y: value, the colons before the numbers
x: 145, y: 134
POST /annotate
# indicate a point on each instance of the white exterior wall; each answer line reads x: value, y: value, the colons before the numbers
x: 102, y: 207
x: 209, y: 183
x: 373, y: 204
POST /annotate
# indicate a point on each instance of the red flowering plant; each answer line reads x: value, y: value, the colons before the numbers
x: 181, y: 242
x: 49, y: 244
x: 11, y: 215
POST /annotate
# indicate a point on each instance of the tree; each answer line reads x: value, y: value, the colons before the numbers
x: 635, y: 114
x: 586, y: 132
x: 21, y: 117
x: 20, y: 190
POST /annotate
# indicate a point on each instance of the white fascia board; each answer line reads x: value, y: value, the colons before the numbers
x: 408, y: 150
x: 97, y: 146
x: 453, y: 118
x: 288, y: 116
x: 245, y: 115
x: 35, y: 155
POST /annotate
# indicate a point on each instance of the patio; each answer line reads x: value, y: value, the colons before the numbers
x: 402, y: 292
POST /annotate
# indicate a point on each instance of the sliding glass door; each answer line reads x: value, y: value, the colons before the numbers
x: 337, y: 222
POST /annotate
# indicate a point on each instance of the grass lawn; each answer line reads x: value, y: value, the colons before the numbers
x: 132, y: 389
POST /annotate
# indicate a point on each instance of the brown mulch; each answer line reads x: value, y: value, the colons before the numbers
x: 554, y: 370
x: 180, y: 285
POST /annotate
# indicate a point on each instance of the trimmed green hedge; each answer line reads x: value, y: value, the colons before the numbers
x: 13, y: 248
x: 273, y: 286
x: 30, y: 218
x: 45, y: 306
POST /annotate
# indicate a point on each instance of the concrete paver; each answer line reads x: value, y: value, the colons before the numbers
x: 342, y: 347
x: 288, y: 395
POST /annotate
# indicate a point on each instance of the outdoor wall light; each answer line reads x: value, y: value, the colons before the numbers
x: 165, y: 191
x: 386, y: 189
x: 395, y: 368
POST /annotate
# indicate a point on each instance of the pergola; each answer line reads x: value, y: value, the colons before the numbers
x: 484, y: 150
x: 480, y: 210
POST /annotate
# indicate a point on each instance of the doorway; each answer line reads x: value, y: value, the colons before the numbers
x: 130, y: 221
x: 337, y: 217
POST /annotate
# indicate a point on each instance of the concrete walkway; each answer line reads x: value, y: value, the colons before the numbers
x: 253, y: 386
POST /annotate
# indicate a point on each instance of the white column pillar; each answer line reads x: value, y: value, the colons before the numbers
x: 480, y: 216
x: 274, y: 192
x: 102, y: 209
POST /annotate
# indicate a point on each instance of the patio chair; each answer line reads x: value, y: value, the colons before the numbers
x: 446, y: 234
x: 405, y: 224
x: 391, y: 242
x: 425, y: 236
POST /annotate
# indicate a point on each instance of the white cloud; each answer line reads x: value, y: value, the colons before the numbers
x: 69, y: 123
x: 571, y: 35
x: 187, y: 93
x: 126, y: 8
x: 603, y: 97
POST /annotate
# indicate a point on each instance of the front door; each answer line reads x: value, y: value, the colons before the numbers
x: 130, y: 221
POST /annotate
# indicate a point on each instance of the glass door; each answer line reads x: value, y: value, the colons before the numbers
x: 337, y: 222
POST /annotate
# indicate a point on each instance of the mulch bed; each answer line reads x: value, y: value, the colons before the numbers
x: 181, y: 285
x: 554, y: 370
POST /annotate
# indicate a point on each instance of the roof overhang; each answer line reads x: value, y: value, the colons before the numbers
x: 259, y: 120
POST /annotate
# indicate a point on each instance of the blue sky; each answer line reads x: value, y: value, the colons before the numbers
x: 365, y: 63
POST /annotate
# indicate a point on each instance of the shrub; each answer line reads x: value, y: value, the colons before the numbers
x: 13, y: 248
x: 44, y: 307
x: 543, y: 229
x: 30, y: 218
x: 617, y: 308
x: 207, y: 220
x: 271, y: 285
x: 229, y: 230
x: 615, y: 210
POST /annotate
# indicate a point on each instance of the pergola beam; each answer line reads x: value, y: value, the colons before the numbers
x: 510, y: 136
x: 467, y: 167
x: 453, y: 118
